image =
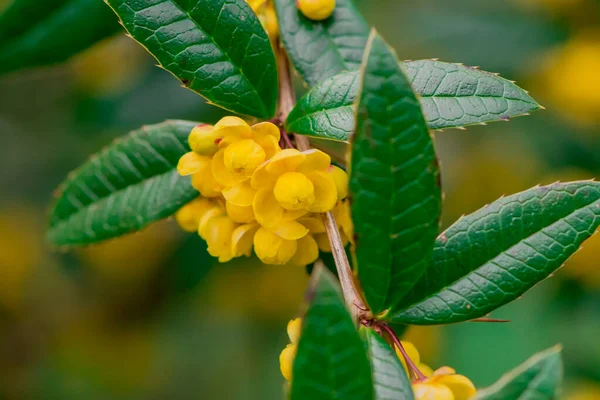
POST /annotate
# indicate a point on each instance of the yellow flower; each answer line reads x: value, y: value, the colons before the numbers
x: 316, y: 10
x: 292, y: 242
x: 256, y: 5
x: 202, y: 178
x: 203, y: 140
x: 445, y: 384
x: 188, y: 216
x: 287, y: 356
x: 291, y: 184
x: 242, y: 150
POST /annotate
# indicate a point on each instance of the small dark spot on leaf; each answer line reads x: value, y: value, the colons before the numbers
x: 185, y: 82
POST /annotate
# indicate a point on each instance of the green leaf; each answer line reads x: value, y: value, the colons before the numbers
x: 451, y: 95
x: 37, y: 33
x: 321, y: 49
x: 217, y: 48
x: 539, y: 378
x: 331, y: 362
x: 128, y: 185
x: 394, y: 181
x: 496, y: 254
x: 389, y: 377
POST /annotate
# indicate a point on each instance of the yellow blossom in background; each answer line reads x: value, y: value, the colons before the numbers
x: 583, y: 391
x: 111, y: 67
x: 133, y: 258
x: 20, y: 253
x: 572, y: 81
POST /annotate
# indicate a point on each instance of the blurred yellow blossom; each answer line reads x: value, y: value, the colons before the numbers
x: 287, y: 356
x: 572, y: 80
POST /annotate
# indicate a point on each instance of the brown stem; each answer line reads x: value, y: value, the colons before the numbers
x: 411, y: 365
x: 287, y: 101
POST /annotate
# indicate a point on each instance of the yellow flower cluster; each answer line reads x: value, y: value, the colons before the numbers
x: 441, y: 384
x: 256, y: 194
x: 265, y: 10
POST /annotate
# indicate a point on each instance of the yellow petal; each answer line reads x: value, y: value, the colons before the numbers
x: 267, y: 209
x: 241, y: 215
x: 256, y: 4
x: 242, y: 240
x: 233, y: 128
x: 323, y: 242
x: 188, y: 216
x: 307, y: 252
x: 286, y: 160
x: 271, y: 25
x: 219, y: 234
x: 294, y: 191
x: 343, y: 217
x: 221, y: 174
x: 429, y: 391
x: 325, y: 192
x: 261, y: 178
x: 444, y: 371
x: 190, y: 163
x: 462, y: 388
x: 203, y: 140
x: 266, y: 129
x: 425, y: 370
x: 292, y: 215
x: 313, y: 223
x: 340, y: 177
x: 203, y: 225
x: 269, y: 144
x: 294, y: 329
x: 271, y: 249
x: 316, y: 160
x: 243, y: 157
x: 291, y: 230
x: 286, y: 361
x: 204, y: 181
x: 241, y: 194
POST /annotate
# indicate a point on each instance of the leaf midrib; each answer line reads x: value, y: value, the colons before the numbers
x: 491, y: 259
x: 201, y: 28
x: 104, y: 198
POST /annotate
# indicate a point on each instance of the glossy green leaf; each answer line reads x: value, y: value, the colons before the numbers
x: 37, y: 33
x: 217, y: 48
x: 539, y: 378
x: 390, y: 381
x: 125, y: 187
x: 331, y: 362
x: 394, y: 181
x: 321, y: 49
x: 451, y: 95
x: 496, y: 254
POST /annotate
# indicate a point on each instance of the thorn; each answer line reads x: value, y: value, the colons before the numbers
x: 494, y: 320
x: 462, y: 128
x: 542, y: 107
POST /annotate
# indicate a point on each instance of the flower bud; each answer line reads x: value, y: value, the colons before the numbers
x: 317, y: 10
x: 286, y: 361
x: 203, y: 140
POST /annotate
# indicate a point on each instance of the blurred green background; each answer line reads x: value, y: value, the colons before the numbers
x: 151, y: 316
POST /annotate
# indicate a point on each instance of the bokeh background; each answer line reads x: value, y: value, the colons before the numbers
x: 150, y: 316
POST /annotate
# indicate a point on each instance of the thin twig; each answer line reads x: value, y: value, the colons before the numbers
x: 411, y: 365
x: 287, y: 101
